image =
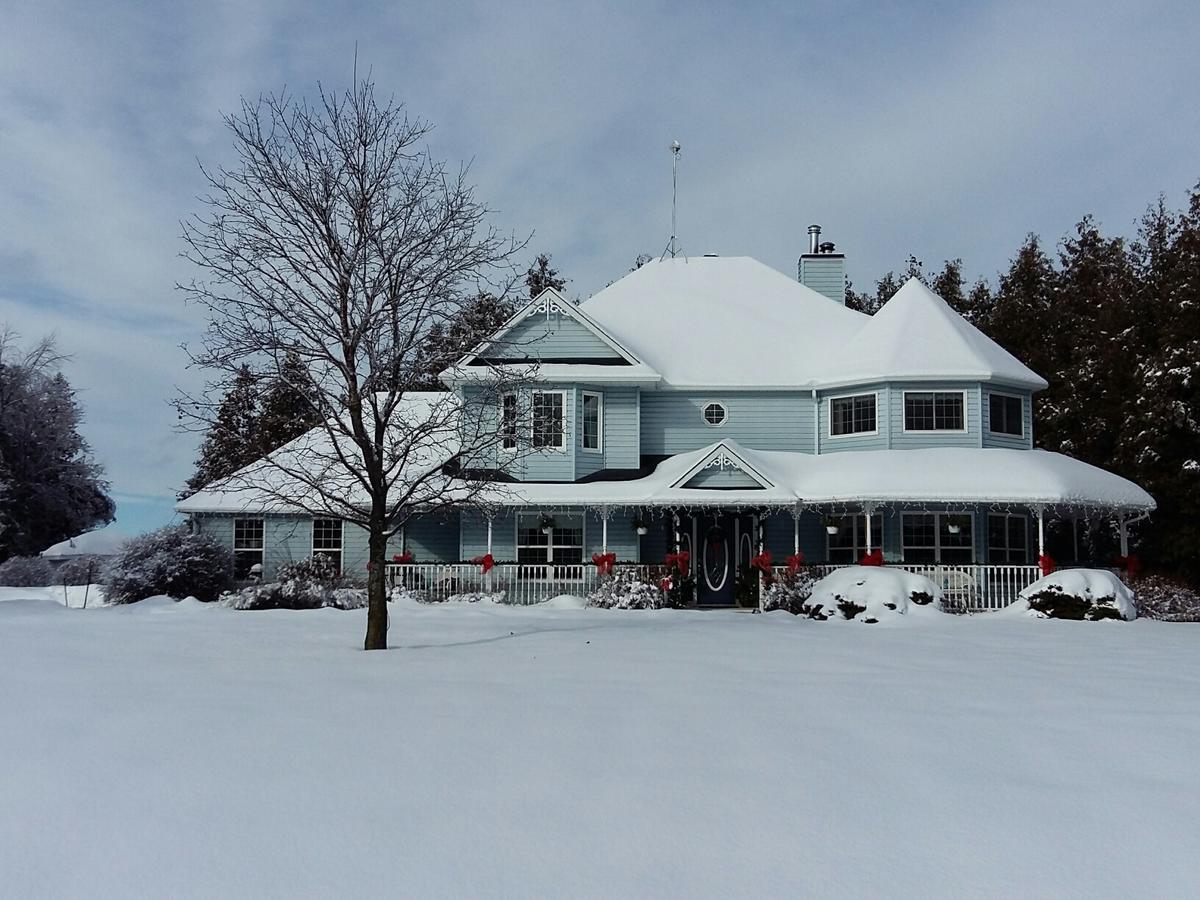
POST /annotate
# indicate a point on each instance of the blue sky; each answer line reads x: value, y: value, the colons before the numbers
x: 940, y: 129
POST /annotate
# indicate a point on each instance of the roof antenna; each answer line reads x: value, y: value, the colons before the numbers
x: 671, y: 244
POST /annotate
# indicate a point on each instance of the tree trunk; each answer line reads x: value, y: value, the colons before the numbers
x: 377, y: 611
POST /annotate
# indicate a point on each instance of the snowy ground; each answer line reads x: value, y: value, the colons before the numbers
x: 164, y: 750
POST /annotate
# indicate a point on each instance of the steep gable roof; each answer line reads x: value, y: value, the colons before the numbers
x: 707, y: 322
x: 550, y: 303
x: 723, y: 466
x: 917, y: 335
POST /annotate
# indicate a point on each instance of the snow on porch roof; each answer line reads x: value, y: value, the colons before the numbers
x: 936, y: 475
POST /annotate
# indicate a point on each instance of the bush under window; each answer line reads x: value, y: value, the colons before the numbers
x: 170, y: 561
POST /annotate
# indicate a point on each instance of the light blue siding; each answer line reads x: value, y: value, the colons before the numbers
x: 971, y: 437
x: 672, y: 422
x: 826, y: 274
x: 1025, y: 441
x: 619, y: 447
x: 722, y: 479
x: 877, y: 441
x: 432, y: 538
x: 556, y: 337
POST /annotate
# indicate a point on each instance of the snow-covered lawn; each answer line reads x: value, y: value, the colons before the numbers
x: 181, y: 750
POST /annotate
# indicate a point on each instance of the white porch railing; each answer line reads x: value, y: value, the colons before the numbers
x: 520, y: 584
x: 966, y: 587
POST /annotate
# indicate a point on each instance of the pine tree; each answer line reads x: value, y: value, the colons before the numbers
x: 541, y: 275
x: 287, y: 407
x: 50, y: 487
x: 232, y: 441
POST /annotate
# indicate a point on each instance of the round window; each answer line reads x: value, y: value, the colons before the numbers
x: 715, y: 413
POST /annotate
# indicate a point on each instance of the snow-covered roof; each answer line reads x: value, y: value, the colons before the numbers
x: 934, y: 475
x: 732, y: 322
x: 100, y: 542
x: 707, y: 322
x: 268, y: 485
x: 917, y: 335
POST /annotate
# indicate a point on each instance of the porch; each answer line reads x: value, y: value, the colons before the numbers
x: 968, y: 587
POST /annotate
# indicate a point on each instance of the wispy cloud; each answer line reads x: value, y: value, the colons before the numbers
x: 943, y: 130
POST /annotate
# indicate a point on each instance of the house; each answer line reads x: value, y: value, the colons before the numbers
x: 714, y: 405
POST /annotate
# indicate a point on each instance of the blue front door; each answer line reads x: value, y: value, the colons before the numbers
x: 714, y: 554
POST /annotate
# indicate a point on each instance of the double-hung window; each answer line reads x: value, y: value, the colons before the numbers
x: 1006, y: 415
x: 934, y: 411
x: 937, y: 537
x: 593, y: 421
x: 852, y: 415
x: 508, y: 422
x: 327, y: 540
x: 548, y: 420
x: 849, y: 544
x: 1008, y: 538
x: 247, y: 547
x: 561, y: 543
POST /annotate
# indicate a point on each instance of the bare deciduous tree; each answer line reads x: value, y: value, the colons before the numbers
x: 338, y: 239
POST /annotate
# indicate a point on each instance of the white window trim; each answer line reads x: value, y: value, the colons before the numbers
x: 599, y: 448
x: 341, y: 547
x: 876, y: 538
x: 703, y: 418
x: 260, y: 550
x: 987, y: 537
x: 937, y: 534
x: 904, y: 417
x: 516, y: 424
x: 549, y: 448
x: 1005, y: 434
x: 550, y: 546
x: 852, y: 434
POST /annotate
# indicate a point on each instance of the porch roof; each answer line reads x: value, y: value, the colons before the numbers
x: 934, y: 475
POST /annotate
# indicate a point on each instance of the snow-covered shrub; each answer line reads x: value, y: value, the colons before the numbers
x: 1079, y: 594
x: 870, y: 593
x: 26, y: 571
x: 789, y: 591
x: 1170, y: 601
x: 624, y: 590
x: 80, y: 570
x: 170, y: 561
x: 312, y: 583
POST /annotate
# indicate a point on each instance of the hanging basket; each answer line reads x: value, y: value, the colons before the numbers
x: 831, y: 529
x: 954, y: 529
x: 546, y: 524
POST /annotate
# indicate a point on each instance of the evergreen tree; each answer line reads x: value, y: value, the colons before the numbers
x: 232, y: 441
x: 50, y: 487
x: 541, y: 275
x: 288, y: 409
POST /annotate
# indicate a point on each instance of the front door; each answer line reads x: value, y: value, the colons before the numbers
x: 714, y: 559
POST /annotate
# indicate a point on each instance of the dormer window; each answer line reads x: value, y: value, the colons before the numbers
x: 934, y: 411
x: 715, y: 414
x: 852, y: 415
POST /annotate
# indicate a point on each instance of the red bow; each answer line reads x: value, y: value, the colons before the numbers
x: 795, y: 563
x: 604, y: 562
x: 1046, y: 563
x: 874, y: 558
x: 679, y: 561
x: 762, y: 562
x: 485, y: 562
x: 1132, y: 563
x: 405, y: 557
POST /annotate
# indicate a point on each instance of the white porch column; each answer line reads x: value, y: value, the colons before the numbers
x: 1041, y: 516
x: 758, y: 549
x: 868, y: 513
x: 796, y: 529
x: 1123, y: 530
x: 675, y: 526
x: 604, y: 529
x: 489, y: 537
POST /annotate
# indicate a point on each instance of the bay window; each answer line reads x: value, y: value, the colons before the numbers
x: 852, y: 415
x: 934, y: 411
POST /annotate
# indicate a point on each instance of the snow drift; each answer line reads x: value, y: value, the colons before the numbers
x: 871, y: 593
